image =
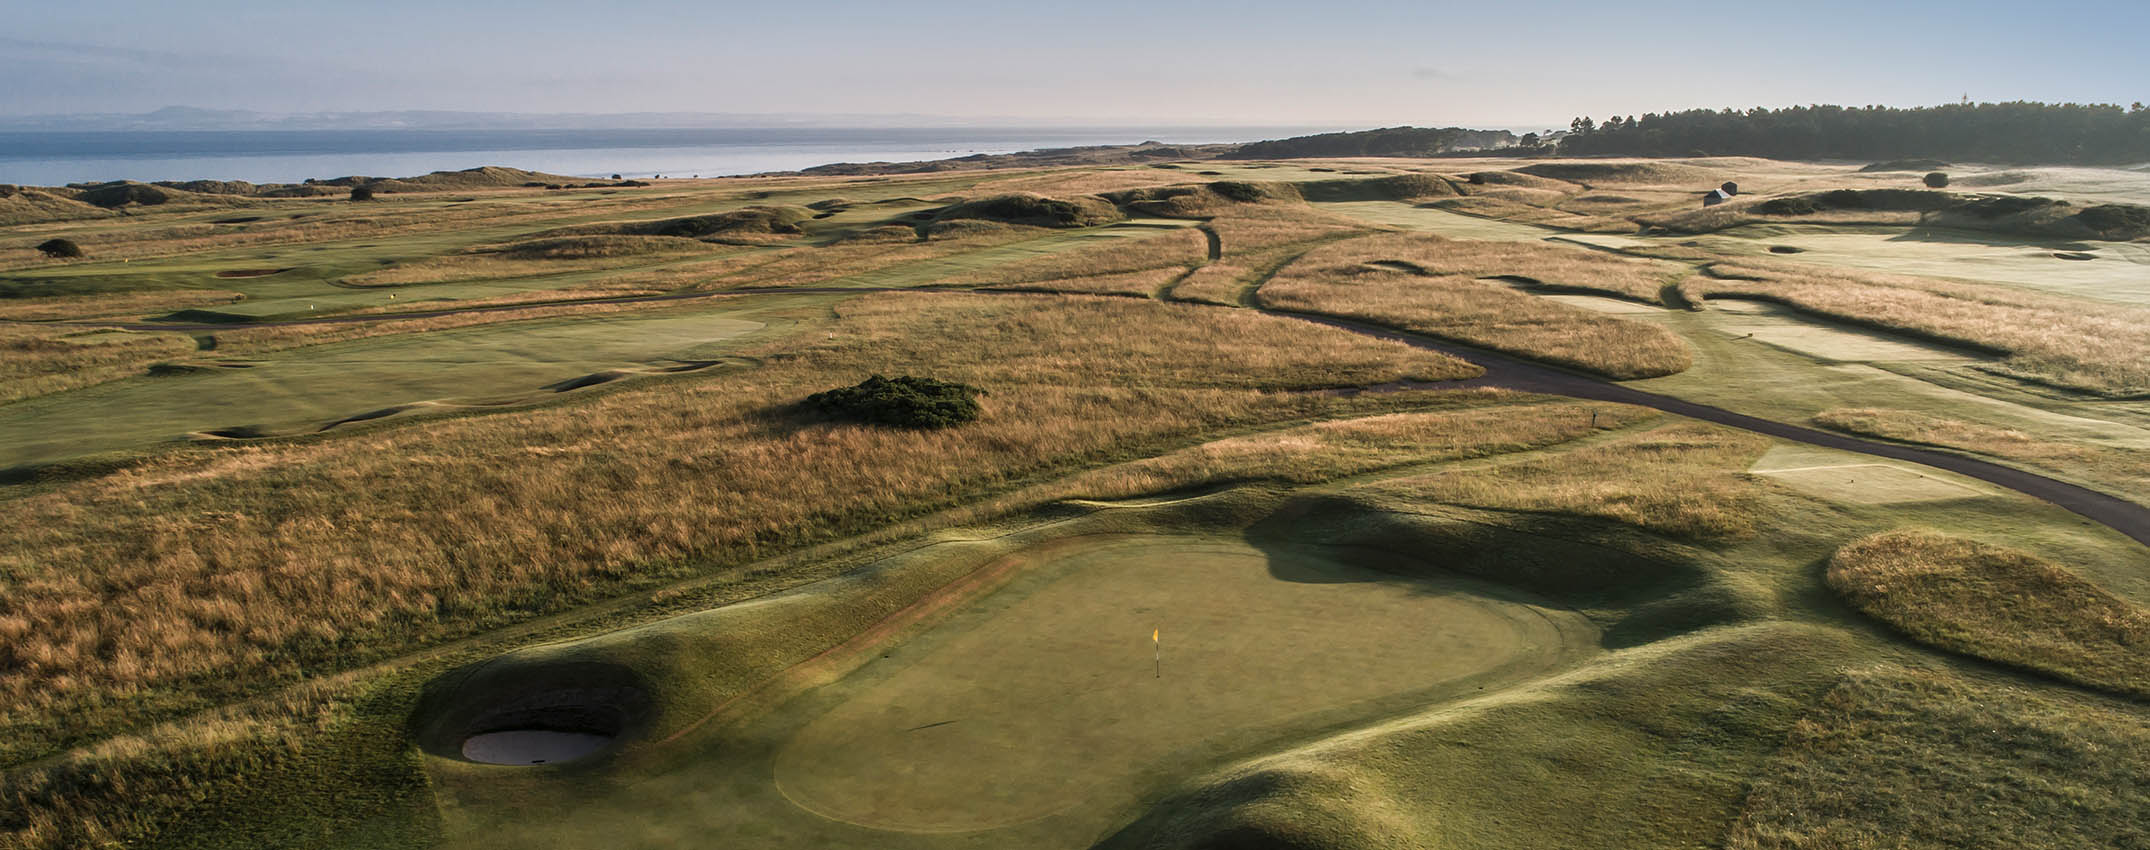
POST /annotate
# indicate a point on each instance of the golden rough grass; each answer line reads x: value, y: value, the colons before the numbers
x: 40, y: 359
x: 321, y: 220
x: 1445, y: 297
x: 198, y: 575
x: 1143, y: 283
x: 1893, y: 758
x: 1254, y: 227
x: 499, y: 263
x: 2065, y: 342
x: 812, y: 266
x: 1328, y: 450
x: 64, y: 307
x: 1999, y: 604
x: 1685, y: 480
x: 1507, y: 209
x: 2128, y: 468
x: 1175, y: 249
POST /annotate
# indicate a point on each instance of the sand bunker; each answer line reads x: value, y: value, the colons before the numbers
x: 1044, y: 696
x: 532, y: 746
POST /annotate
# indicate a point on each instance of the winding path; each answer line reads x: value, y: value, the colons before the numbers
x: 1501, y: 370
x: 1508, y: 372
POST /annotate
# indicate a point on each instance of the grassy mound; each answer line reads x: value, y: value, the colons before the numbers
x: 594, y: 247
x: 482, y: 177
x: 904, y: 401
x: 1623, y: 172
x: 1904, y: 165
x: 1207, y: 199
x: 1999, y: 604
x: 748, y: 221
x: 1889, y: 200
x: 1401, y: 187
x: 1518, y: 178
x: 2116, y: 221
x: 124, y: 193
x: 29, y: 205
x: 1036, y: 210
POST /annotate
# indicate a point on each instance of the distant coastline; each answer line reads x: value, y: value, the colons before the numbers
x: 57, y: 158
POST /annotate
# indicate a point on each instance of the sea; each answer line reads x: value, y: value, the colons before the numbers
x: 291, y: 156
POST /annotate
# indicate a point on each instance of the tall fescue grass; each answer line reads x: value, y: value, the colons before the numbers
x: 1254, y: 227
x: 1328, y: 450
x: 125, y: 304
x: 2066, y: 342
x: 40, y: 359
x: 1443, y: 295
x: 1899, y: 758
x: 1999, y: 604
x: 1137, y: 283
x: 166, y: 232
x: 1176, y: 249
x: 813, y: 266
x: 198, y: 576
x: 1686, y: 480
x: 536, y: 257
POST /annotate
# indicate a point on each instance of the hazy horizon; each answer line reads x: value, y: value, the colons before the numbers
x: 1106, y: 63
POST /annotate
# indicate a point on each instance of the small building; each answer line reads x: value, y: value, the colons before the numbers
x: 1715, y: 197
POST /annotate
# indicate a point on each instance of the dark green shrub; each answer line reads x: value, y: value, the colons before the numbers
x: 904, y: 402
x: 1936, y: 180
x: 60, y: 248
x: 362, y: 193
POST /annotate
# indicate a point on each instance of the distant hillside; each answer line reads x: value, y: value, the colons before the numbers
x: 2019, y: 132
x: 1390, y: 141
x: 1051, y: 157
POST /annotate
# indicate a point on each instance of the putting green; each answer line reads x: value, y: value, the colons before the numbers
x: 1843, y: 477
x: 1789, y: 329
x: 2120, y: 272
x: 1046, y: 698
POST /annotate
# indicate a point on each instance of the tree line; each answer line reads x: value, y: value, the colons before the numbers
x: 2015, y: 132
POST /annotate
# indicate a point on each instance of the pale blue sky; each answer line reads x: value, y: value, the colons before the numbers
x: 1482, y: 62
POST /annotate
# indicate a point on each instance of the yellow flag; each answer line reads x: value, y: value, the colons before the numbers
x: 1153, y: 635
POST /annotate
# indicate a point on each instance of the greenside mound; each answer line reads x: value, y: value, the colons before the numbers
x: 1036, y: 210
x: 1206, y: 199
x: 748, y: 221
x: 1997, y: 603
x: 904, y: 401
x: 599, y: 246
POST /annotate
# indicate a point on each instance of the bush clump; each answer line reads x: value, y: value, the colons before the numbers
x: 63, y: 248
x: 1936, y: 180
x: 362, y: 193
x: 903, y: 402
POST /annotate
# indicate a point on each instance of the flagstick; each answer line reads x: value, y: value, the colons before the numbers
x: 1159, y: 660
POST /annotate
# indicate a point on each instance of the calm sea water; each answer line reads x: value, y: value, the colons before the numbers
x: 288, y: 156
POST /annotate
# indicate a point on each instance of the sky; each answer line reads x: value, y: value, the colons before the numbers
x: 1490, y: 63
